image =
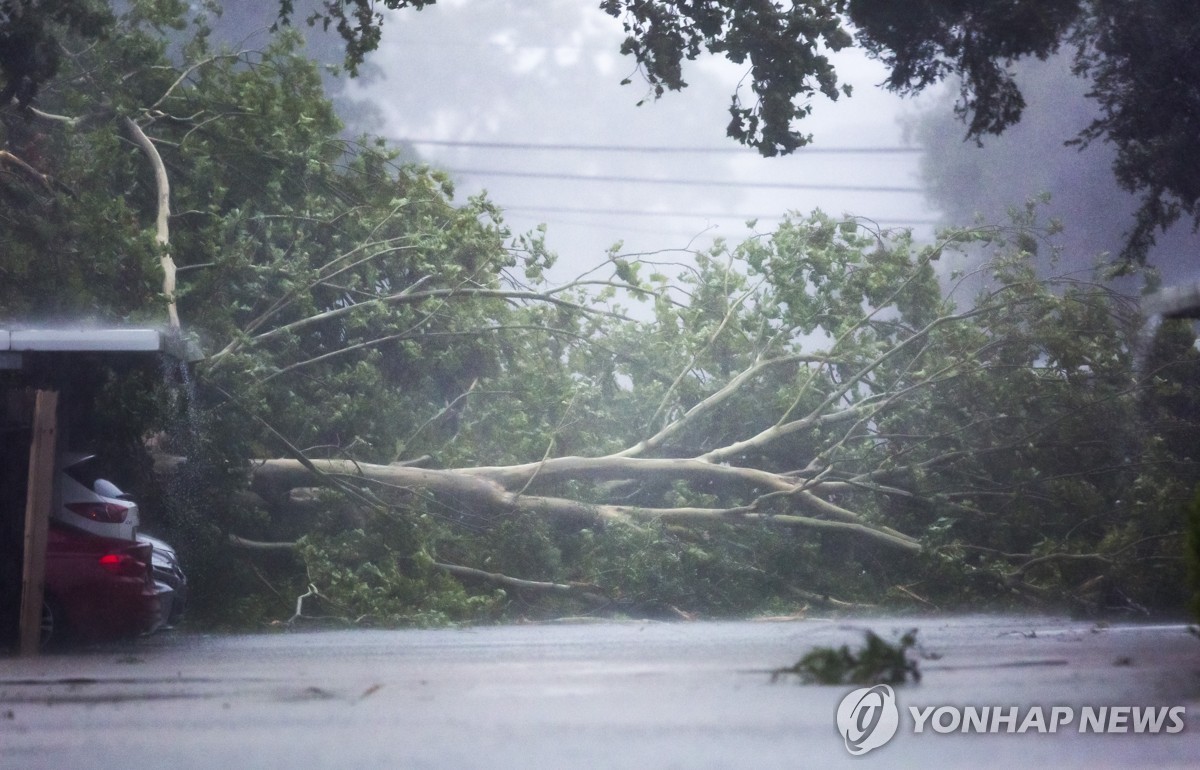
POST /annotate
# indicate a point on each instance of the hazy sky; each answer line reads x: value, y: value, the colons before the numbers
x: 546, y: 73
x: 522, y: 98
x: 1030, y: 158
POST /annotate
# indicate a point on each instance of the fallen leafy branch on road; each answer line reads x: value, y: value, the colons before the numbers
x: 876, y: 662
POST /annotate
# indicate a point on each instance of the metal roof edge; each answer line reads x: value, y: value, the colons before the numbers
x: 82, y: 340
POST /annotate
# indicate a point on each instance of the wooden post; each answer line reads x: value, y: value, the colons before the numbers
x: 43, y: 457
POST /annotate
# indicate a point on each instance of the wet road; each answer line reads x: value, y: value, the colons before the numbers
x: 628, y: 695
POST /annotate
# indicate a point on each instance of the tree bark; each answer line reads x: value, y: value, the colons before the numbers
x: 487, y: 489
x: 162, y: 235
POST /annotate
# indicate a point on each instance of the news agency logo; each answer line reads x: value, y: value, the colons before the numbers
x: 868, y: 718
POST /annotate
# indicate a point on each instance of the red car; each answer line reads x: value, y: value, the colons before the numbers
x: 96, y: 587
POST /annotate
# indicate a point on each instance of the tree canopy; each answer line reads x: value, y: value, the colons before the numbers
x: 1137, y: 57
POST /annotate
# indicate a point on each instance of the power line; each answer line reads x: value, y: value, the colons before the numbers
x: 696, y: 214
x: 695, y: 182
x: 552, y: 147
x: 623, y: 230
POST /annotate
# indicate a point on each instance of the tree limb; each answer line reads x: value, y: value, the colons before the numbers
x: 187, y: 73
x: 258, y: 545
x: 617, y: 467
x: 487, y: 489
x: 9, y: 159
x: 712, y: 338
x: 162, y: 219
x: 586, y: 590
x: 711, y: 402
x: 784, y: 428
x: 410, y: 297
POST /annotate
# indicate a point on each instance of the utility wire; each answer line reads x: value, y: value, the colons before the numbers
x: 694, y: 182
x: 696, y: 214
x: 551, y: 147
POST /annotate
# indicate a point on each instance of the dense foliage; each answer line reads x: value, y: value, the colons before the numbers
x: 826, y: 414
x: 29, y: 40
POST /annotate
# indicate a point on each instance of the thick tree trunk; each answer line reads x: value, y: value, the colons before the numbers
x: 490, y: 490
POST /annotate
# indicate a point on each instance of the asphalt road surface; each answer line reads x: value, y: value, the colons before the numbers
x: 613, y: 695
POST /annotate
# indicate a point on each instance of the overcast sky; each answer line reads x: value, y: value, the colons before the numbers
x: 545, y: 75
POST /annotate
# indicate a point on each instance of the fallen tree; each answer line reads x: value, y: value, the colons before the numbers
x: 819, y: 384
x: 825, y: 410
x: 838, y: 394
x: 486, y: 489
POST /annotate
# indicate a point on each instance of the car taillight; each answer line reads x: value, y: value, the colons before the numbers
x: 105, y: 513
x: 123, y: 564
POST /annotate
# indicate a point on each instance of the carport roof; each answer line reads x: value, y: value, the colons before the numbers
x: 81, y: 340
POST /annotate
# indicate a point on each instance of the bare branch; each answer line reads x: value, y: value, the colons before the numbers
x: 8, y: 158
x: 258, y: 545
x: 1019, y: 573
x: 408, y: 296
x: 411, y: 297
x: 444, y: 410
x: 586, y: 590
x: 162, y: 220
x: 816, y: 416
x: 712, y: 338
x: 186, y: 74
x: 694, y: 515
x: 287, y: 299
x: 713, y: 401
x: 312, y: 591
